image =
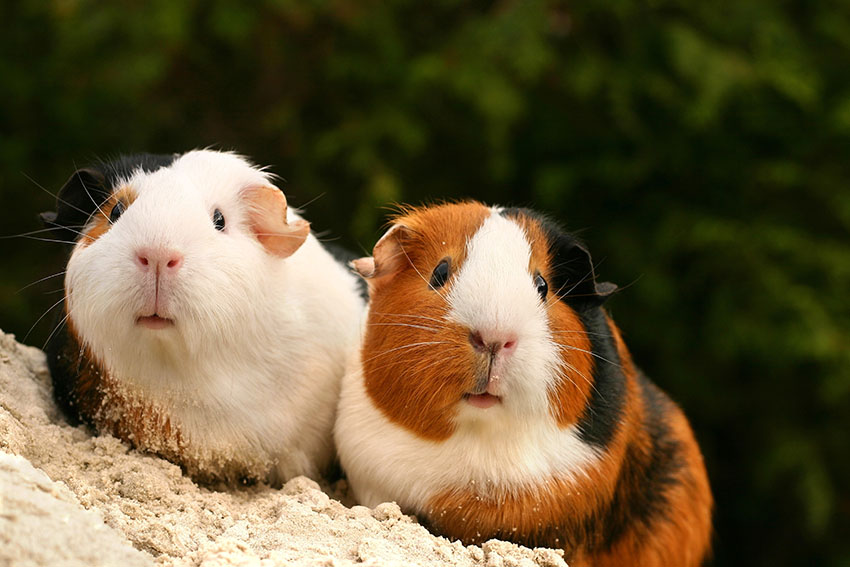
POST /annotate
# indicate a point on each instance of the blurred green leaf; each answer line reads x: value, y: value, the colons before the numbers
x: 701, y: 149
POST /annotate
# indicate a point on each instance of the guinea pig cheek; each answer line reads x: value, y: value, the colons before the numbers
x: 100, y: 303
x: 415, y: 373
x: 574, y: 366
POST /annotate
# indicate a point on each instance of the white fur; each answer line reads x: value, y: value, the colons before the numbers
x: 510, y: 446
x: 251, y: 368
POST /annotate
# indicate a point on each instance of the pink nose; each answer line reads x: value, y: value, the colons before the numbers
x: 493, y: 341
x: 162, y: 260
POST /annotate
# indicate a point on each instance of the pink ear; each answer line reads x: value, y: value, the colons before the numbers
x: 267, y: 218
x: 387, y: 258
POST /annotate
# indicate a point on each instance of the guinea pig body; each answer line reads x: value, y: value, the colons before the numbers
x: 202, y: 321
x: 494, y: 397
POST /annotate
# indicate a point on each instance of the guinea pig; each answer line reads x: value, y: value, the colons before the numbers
x: 202, y: 321
x: 494, y: 397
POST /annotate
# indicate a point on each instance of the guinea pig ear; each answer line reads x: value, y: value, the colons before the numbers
x: 575, y: 276
x: 76, y: 202
x: 267, y: 218
x: 387, y: 257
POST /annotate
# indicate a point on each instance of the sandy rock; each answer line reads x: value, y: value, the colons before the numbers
x: 106, y: 504
x: 41, y: 521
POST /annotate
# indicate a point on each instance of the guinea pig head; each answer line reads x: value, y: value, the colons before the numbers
x: 173, y: 262
x: 476, y: 319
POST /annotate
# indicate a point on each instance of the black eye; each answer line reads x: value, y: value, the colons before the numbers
x: 218, y: 220
x: 117, y: 210
x: 440, y: 275
x: 542, y: 286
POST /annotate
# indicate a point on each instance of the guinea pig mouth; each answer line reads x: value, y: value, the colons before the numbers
x: 482, y: 401
x: 154, y: 322
x: 484, y: 394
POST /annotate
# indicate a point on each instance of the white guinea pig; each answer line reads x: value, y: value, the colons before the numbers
x: 202, y: 321
x: 494, y: 397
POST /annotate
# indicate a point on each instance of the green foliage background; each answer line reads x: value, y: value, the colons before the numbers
x: 702, y: 149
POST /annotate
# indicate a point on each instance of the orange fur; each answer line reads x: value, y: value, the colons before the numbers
x: 646, y: 502
x: 99, y: 223
x: 133, y: 419
x: 127, y: 419
x: 568, y: 399
x: 400, y: 386
x: 561, y: 513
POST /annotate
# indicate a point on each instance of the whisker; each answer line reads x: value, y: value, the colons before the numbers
x: 581, y: 281
x: 49, y: 309
x: 563, y: 375
x: 407, y: 369
x: 406, y: 347
x: 580, y: 373
x: 320, y: 236
x: 557, y: 294
x: 434, y: 395
x: 86, y: 189
x: 432, y: 329
x: 37, y: 184
x: 577, y: 332
x: 409, y: 315
x: 59, y: 326
x: 420, y: 274
x: 50, y: 240
x: 43, y: 230
x: 41, y: 280
x: 593, y: 354
x: 311, y: 201
x: 277, y: 234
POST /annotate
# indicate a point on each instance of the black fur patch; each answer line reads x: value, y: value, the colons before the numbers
x: 64, y: 364
x: 640, y: 497
x: 572, y: 276
x: 88, y: 188
x: 85, y: 191
x: 604, y: 410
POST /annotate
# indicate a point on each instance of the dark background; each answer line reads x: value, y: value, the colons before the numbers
x: 703, y: 150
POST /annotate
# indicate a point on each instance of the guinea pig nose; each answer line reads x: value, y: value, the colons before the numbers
x: 159, y: 259
x: 492, y: 342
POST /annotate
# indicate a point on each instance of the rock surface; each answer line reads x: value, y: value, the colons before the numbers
x: 68, y: 497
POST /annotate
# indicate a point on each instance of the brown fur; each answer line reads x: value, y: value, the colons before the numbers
x: 99, y: 223
x: 567, y: 401
x: 646, y: 502
x: 593, y: 518
x: 93, y: 391
x: 112, y: 410
x: 119, y: 412
x: 402, y: 388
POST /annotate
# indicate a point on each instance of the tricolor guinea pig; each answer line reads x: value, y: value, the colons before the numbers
x: 202, y: 321
x: 493, y: 397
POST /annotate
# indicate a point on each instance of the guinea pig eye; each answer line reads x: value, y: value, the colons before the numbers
x: 542, y: 286
x: 440, y: 275
x: 117, y: 211
x: 218, y: 220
